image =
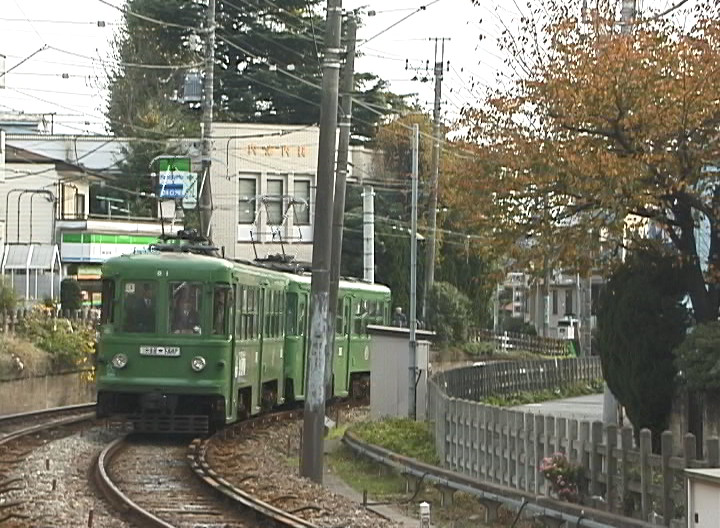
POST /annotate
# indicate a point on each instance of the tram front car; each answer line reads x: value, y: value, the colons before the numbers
x: 164, y: 352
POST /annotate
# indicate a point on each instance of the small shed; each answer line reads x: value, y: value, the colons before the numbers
x: 33, y: 270
x: 391, y: 360
x: 703, y: 497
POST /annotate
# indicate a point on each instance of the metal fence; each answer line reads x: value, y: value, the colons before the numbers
x: 514, y: 342
x: 506, y: 447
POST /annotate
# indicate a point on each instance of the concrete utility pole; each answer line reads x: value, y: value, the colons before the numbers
x: 627, y: 15
x: 311, y: 461
x: 412, y: 399
x: 205, y: 197
x: 347, y: 85
x: 432, y: 208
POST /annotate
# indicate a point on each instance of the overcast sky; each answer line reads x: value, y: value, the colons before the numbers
x: 67, y: 77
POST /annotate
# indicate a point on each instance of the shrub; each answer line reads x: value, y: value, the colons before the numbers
x: 481, y: 348
x: 450, y: 312
x: 565, y: 477
x: 698, y: 357
x: 8, y: 297
x: 518, y: 326
x: 70, y: 295
x: 69, y: 348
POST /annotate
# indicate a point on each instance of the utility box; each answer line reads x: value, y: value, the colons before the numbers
x: 567, y: 328
x: 390, y: 363
x: 703, y: 497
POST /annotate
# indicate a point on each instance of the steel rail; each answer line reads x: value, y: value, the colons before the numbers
x: 11, y: 436
x: 114, y: 495
x: 202, y: 469
x: 544, y: 506
x: 51, y: 410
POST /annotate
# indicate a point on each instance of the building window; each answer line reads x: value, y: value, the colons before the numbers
x: 555, y: 302
x: 79, y: 206
x: 246, y: 202
x: 302, y: 202
x: 274, y: 202
x: 568, y: 301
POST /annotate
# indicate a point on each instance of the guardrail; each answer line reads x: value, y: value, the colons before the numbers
x: 505, y: 447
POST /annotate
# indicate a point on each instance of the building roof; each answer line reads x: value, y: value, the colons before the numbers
x: 706, y: 475
x: 17, y: 155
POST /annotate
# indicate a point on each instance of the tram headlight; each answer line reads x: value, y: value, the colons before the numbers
x: 198, y: 363
x: 119, y: 361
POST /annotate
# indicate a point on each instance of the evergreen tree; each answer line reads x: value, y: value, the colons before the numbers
x: 641, y: 319
x: 266, y: 58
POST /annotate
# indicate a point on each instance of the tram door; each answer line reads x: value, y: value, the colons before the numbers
x: 342, y: 347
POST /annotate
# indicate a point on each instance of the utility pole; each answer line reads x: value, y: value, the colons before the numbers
x: 204, y: 191
x: 311, y: 461
x: 432, y: 208
x: 347, y: 86
x: 412, y: 397
x: 627, y: 15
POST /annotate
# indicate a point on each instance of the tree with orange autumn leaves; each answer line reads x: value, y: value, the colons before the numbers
x: 602, y: 131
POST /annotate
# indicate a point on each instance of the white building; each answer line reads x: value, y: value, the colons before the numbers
x: 263, y: 188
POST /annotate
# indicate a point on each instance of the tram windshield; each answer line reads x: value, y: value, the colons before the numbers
x: 139, y: 306
x: 185, y: 307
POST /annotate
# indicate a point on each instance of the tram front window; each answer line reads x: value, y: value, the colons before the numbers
x: 139, y: 307
x: 185, y: 308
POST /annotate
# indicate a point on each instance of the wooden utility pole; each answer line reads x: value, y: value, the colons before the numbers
x: 311, y: 461
x: 204, y: 189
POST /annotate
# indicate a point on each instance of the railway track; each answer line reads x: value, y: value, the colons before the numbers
x: 16, y: 426
x: 153, y: 483
x: 20, y: 434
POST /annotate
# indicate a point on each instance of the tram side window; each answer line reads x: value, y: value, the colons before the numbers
x: 139, y: 306
x: 360, y: 319
x: 291, y: 315
x: 185, y: 307
x: 222, y: 300
x: 108, y: 299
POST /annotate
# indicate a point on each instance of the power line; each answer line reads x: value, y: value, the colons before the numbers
x: 403, y: 19
x: 30, y: 22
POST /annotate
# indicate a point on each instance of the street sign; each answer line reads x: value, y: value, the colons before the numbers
x: 176, y: 182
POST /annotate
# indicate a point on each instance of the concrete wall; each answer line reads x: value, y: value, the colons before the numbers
x: 31, y: 394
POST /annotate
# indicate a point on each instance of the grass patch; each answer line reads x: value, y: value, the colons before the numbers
x: 337, y: 432
x: 569, y: 391
x: 400, y: 435
x: 363, y: 474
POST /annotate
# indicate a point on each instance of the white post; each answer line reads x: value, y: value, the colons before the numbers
x: 424, y: 515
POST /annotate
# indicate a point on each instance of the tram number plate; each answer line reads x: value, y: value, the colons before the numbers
x: 160, y: 351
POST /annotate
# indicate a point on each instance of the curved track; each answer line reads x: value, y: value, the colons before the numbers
x: 154, y: 484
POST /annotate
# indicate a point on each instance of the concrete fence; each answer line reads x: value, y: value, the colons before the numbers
x: 10, y: 319
x: 506, y: 447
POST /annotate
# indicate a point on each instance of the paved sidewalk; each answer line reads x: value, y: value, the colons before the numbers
x: 338, y: 486
x: 578, y: 408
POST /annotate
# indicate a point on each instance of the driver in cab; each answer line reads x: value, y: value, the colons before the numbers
x: 185, y: 318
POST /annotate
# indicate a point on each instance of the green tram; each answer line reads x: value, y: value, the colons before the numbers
x: 190, y: 341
